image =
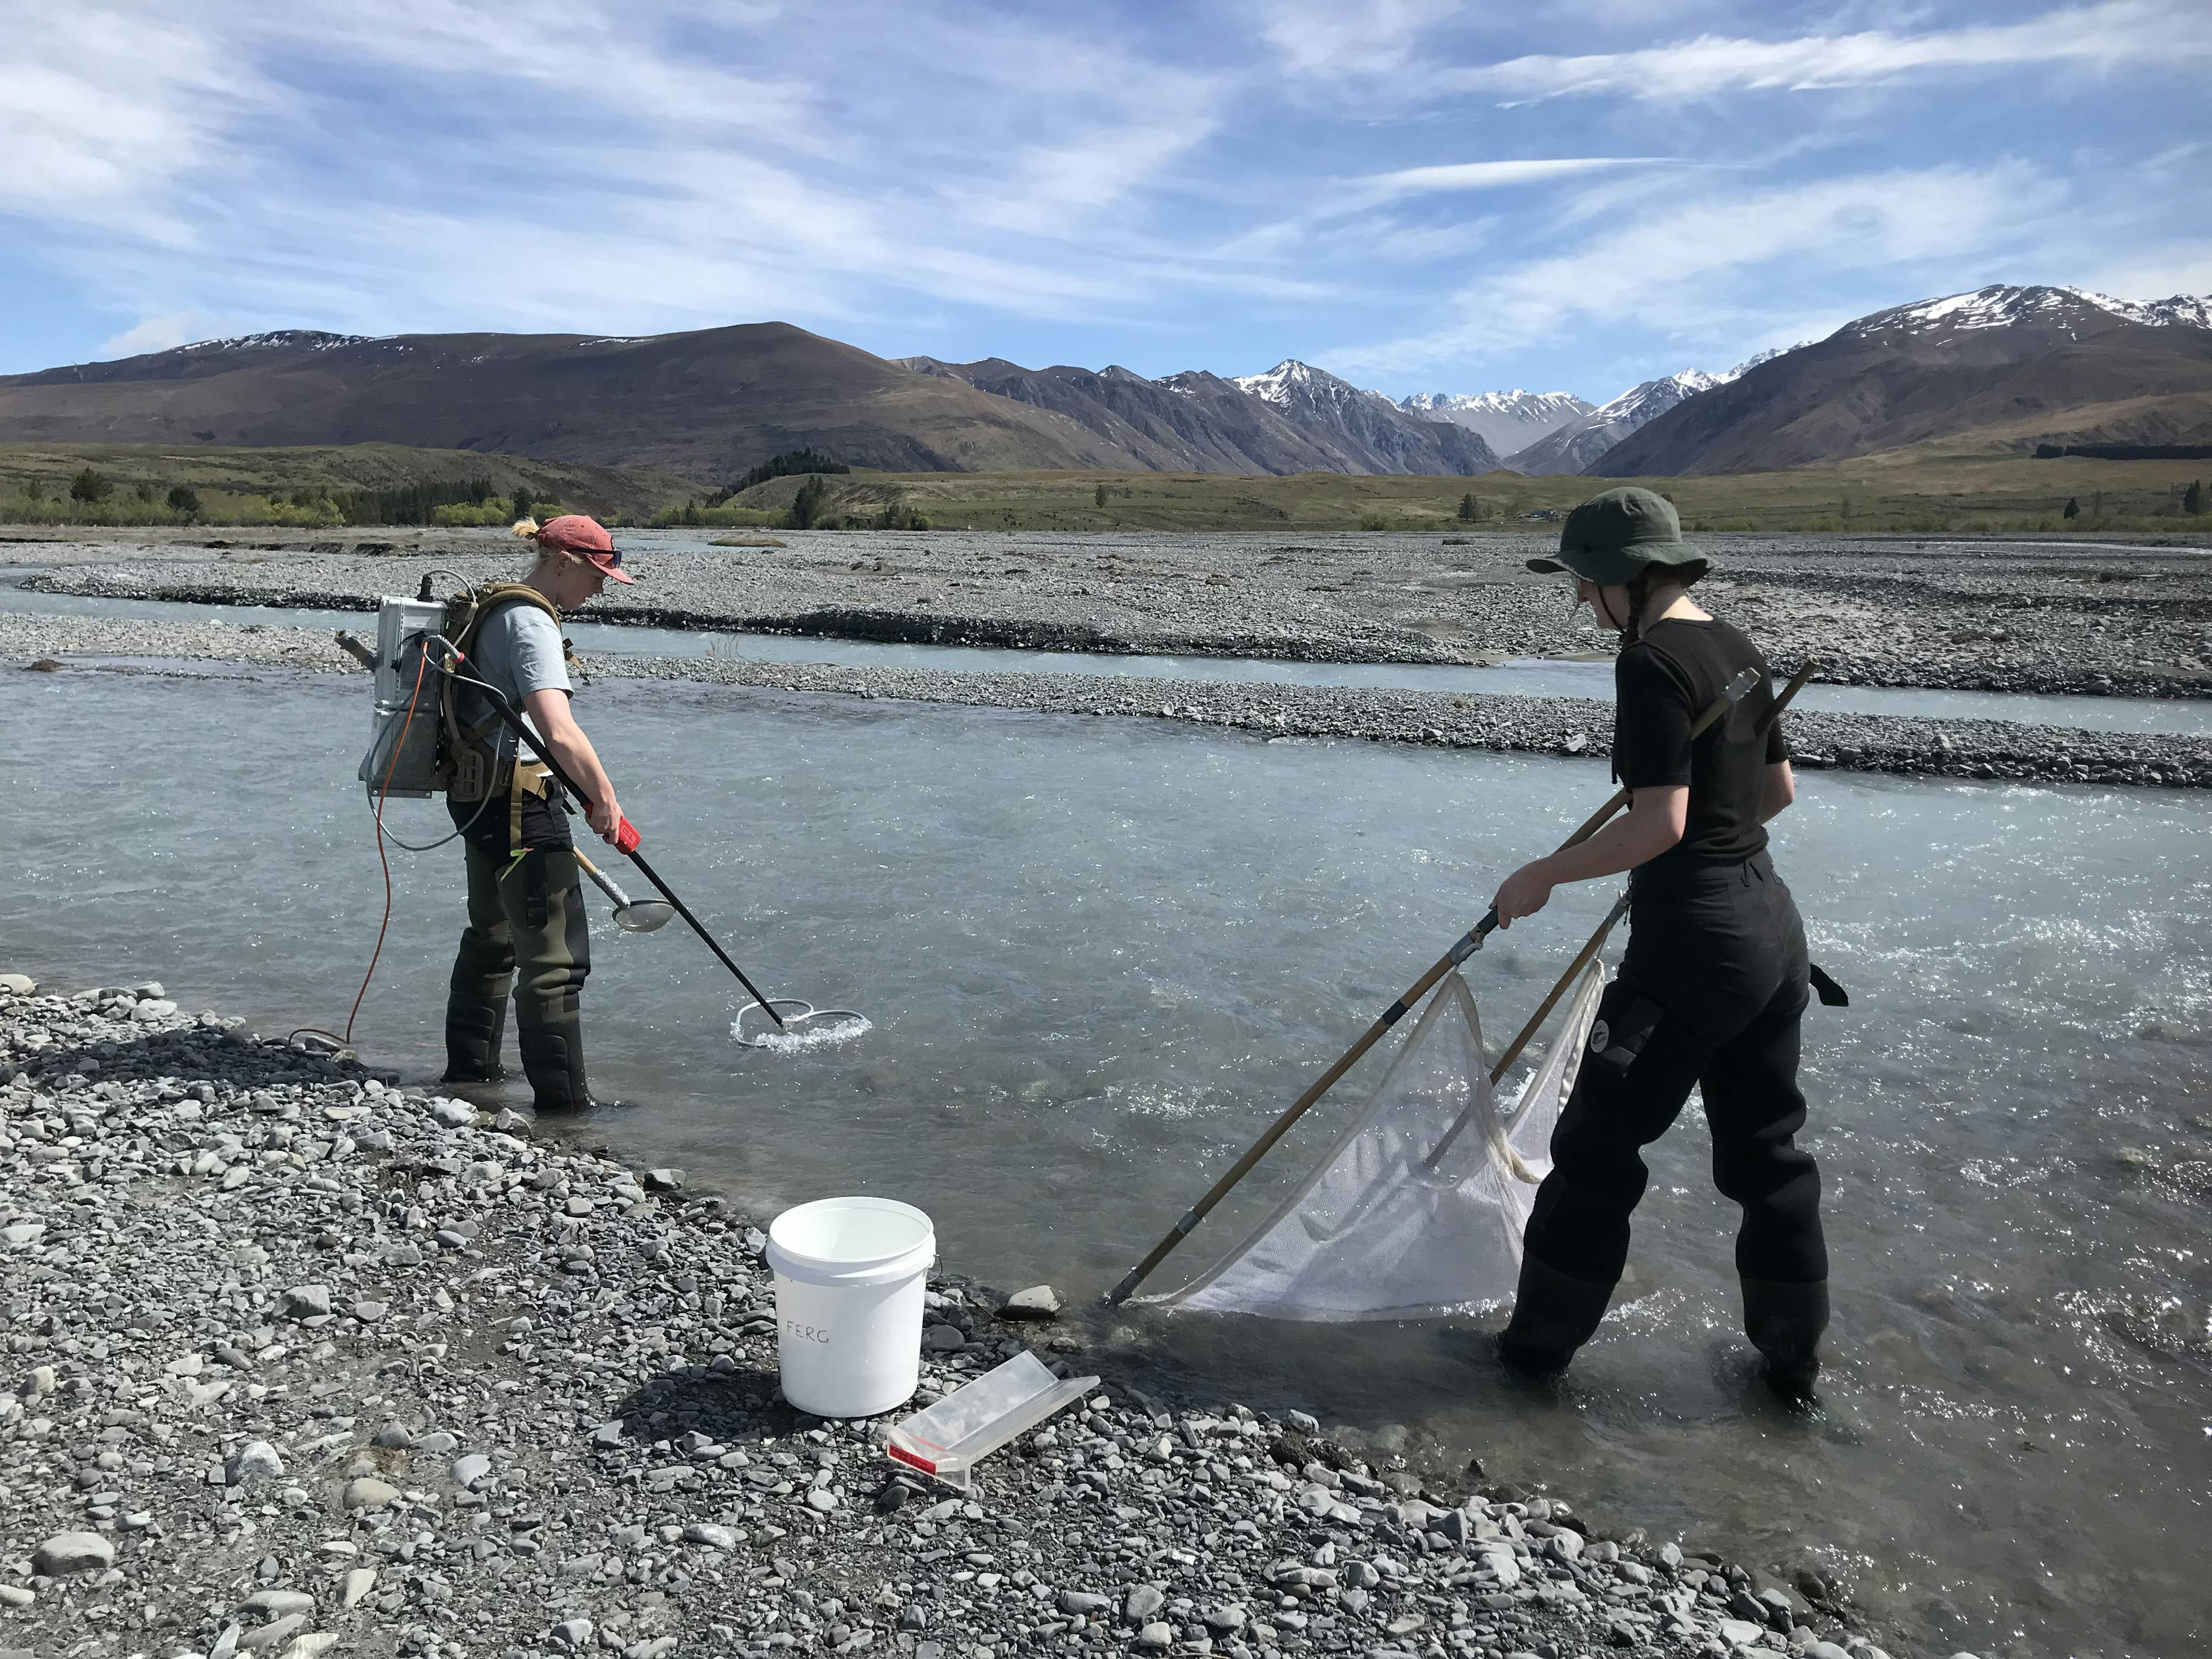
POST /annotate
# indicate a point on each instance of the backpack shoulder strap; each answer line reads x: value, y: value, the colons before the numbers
x: 495, y: 595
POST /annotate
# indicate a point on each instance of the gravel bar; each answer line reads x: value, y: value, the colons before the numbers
x: 1994, y: 749
x: 300, y: 1360
x: 2098, y: 618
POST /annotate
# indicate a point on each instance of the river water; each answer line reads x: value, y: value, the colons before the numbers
x: 1100, y: 955
x: 1528, y: 677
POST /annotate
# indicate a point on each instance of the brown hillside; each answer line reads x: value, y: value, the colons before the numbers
x: 704, y: 405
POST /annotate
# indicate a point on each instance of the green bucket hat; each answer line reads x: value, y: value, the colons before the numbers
x: 1613, y: 537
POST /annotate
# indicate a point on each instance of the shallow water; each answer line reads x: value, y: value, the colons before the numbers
x: 1099, y: 955
x: 1530, y: 677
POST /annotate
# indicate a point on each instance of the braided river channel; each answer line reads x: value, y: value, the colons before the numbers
x: 1100, y: 955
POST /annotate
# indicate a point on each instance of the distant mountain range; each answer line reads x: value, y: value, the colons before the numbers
x: 1998, y: 371
x: 1366, y: 424
x: 1507, y: 421
x: 1293, y: 419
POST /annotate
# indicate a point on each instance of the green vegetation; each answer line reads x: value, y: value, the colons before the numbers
x: 1917, y: 495
x: 806, y: 505
x: 691, y: 514
x: 147, y: 485
x: 791, y: 464
x: 419, y: 503
x: 316, y: 487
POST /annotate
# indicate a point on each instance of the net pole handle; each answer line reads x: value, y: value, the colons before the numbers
x: 1281, y: 1126
x: 1535, y: 1022
x: 1582, y: 958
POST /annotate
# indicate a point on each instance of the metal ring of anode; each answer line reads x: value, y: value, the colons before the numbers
x: 799, y: 1019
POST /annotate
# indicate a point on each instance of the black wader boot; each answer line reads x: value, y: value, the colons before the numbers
x: 1552, y: 1316
x: 530, y: 911
x: 483, y: 974
x: 1784, y: 1322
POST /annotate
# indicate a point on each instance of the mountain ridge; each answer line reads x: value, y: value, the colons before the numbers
x: 704, y: 404
x: 2000, y: 369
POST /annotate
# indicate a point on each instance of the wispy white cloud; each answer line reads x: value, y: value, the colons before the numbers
x: 1331, y: 40
x: 163, y: 333
x: 1219, y: 183
x: 1456, y: 177
x: 1678, y: 269
x: 2123, y: 32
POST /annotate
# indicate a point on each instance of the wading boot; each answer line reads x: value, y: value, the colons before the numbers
x: 474, y: 1033
x: 1784, y: 1322
x: 1553, y: 1316
x: 553, y: 1061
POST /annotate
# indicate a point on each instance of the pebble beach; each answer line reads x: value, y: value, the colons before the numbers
x: 301, y: 1361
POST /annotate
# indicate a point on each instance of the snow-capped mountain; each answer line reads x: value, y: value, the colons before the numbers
x: 1506, y: 421
x: 1291, y: 385
x: 2005, y: 305
x: 1365, y: 425
x: 2000, y: 370
x: 283, y: 339
x: 1576, y: 445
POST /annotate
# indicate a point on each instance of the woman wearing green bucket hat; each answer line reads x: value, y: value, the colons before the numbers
x: 1715, y: 977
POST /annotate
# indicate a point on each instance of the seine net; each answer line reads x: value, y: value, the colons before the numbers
x: 1419, y: 1208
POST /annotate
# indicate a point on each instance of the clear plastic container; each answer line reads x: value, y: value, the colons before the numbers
x: 960, y: 1431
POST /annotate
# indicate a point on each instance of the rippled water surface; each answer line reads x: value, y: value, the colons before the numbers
x: 1100, y: 955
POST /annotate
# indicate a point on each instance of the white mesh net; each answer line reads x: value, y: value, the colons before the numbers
x: 1418, y: 1209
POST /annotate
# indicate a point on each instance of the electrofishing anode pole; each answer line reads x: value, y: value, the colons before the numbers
x: 627, y: 839
x: 1468, y: 943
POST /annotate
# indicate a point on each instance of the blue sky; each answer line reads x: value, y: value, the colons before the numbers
x: 1422, y: 196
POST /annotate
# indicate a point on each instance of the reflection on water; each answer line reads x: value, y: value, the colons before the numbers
x: 1100, y: 955
x: 1525, y: 677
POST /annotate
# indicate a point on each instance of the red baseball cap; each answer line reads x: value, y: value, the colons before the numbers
x: 574, y: 532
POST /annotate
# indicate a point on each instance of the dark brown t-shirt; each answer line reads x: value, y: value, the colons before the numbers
x: 1661, y: 684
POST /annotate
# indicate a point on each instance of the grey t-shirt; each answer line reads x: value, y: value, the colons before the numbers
x: 518, y: 650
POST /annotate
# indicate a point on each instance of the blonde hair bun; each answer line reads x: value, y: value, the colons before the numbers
x: 526, y: 528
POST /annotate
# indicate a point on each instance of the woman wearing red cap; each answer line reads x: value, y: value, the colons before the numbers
x: 526, y: 907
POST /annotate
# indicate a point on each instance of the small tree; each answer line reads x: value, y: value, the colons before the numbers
x: 305, y: 498
x: 33, y: 490
x: 806, y: 505
x: 184, y: 499
x: 2073, y: 509
x: 146, y: 494
x: 1098, y: 496
x: 1469, y: 508
x: 2193, y: 500
x: 88, y: 487
x: 523, y: 503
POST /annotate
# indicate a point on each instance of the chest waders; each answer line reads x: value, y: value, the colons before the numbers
x: 1710, y: 995
x: 527, y: 934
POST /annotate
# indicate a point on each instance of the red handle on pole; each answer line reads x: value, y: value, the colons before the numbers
x: 627, y: 840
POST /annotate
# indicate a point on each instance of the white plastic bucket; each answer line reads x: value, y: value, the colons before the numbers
x: 849, y: 1276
